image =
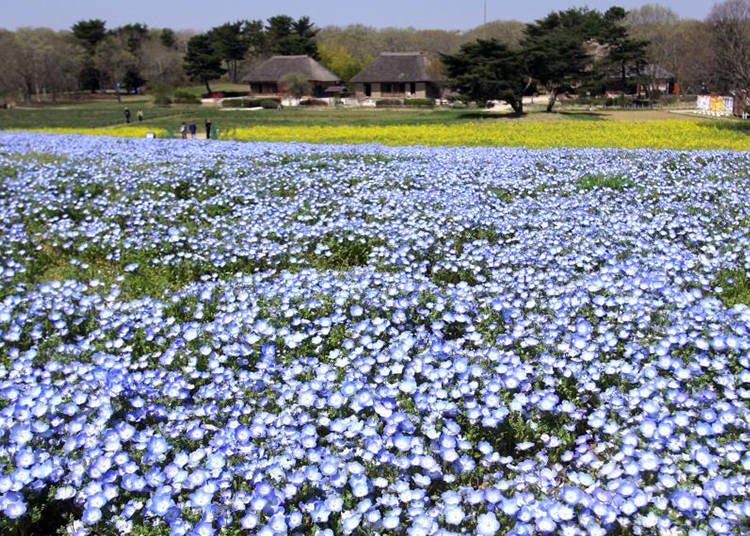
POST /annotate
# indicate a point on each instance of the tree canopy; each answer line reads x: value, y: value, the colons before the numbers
x: 487, y: 69
x: 202, y: 60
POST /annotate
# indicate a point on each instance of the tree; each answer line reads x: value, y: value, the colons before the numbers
x: 230, y: 45
x: 90, y: 33
x: 682, y: 47
x: 729, y: 23
x: 487, y: 70
x: 554, y: 50
x: 202, y: 62
x: 337, y: 59
x: 167, y: 38
x: 626, y: 55
x: 162, y: 65
x: 285, y: 36
x: 295, y: 84
x: 575, y: 47
x: 42, y: 62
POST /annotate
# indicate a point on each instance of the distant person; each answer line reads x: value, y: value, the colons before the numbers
x: 127, y: 115
x: 139, y: 115
x: 183, y: 130
x: 208, y: 129
x: 193, y: 128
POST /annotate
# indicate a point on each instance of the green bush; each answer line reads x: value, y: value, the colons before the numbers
x: 388, y: 102
x: 234, y: 103
x: 182, y: 96
x: 245, y: 102
x: 162, y: 94
x: 420, y: 102
x: 269, y: 104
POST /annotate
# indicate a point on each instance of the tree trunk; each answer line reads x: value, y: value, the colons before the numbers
x: 552, y: 99
x: 208, y: 88
x: 517, y: 105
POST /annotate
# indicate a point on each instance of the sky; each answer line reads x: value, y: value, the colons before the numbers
x: 201, y: 15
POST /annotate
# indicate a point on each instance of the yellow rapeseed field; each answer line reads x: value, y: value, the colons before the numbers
x: 690, y: 134
x: 120, y: 132
x: 658, y: 134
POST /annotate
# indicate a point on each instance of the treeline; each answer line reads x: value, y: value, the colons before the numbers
x: 707, y: 55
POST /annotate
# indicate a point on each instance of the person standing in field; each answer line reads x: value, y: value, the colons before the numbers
x: 193, y: 128
x: 127, y: 115
x: 183, y: 130
x: 139, y: 115
x: 208, y: 129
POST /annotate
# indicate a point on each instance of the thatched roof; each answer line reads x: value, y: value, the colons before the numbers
x: 275, y: 68
x: 396, y: 67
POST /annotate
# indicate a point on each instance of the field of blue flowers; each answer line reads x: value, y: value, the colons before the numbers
x: 228, y: 338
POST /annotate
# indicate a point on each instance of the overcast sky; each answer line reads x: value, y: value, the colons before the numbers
x: 203, y: 14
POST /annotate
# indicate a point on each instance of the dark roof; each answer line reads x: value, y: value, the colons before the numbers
x: 396, y: 67
x: 274, y: 69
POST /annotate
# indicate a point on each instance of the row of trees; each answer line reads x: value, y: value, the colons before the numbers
x: 578, y: 48
x: 224, y: 49
x: 710, y: 55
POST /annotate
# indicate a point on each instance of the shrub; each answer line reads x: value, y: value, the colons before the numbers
x: 162, y: 94
x: 245, y: 102
x: 313, y: 102
x: 269, y: 104
x: 182, y: 96
x: 420, y: 102
x: 234, y: 103
x: 388, y: 102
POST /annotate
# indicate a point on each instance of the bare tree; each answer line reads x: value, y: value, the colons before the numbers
x: 10, y: 83
x: 43, y: 62
x: 729, y: 23
x: 161, y: 65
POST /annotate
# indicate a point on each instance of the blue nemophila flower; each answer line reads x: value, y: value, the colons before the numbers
x: 487, y: 524
x: 440, y: 353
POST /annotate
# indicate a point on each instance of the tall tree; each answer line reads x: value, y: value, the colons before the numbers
x: 202, y: 62
x: 230, y: 45
x: 625, y: 54
x: 339, y: 60
x: 729, y: 23
x: 554, y: 50
x: 168, y: 38
x: 90, y: 33
x: 286, y: 36
x: 569, y: 48
x: 487, y: 70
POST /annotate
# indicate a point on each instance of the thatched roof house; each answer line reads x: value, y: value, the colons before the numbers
x: 266, y: 78
x: 398, y: 75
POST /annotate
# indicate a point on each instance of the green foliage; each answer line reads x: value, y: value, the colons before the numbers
x: 202, y: 61
x: 335, y: 252
x: 245, y: 102
x: 163, y: 94
x: 598, y: 181
x: 426, y: 103
x: 339, y: 60
x: 288, y: 37
x: 735, y: 286
x: 488, y: 70
x: 296, y: 84
x: 555, y: 48
x: 90, y: 33
x: 181, y: 96
x: 388, y: 102
x: 231, y: 45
